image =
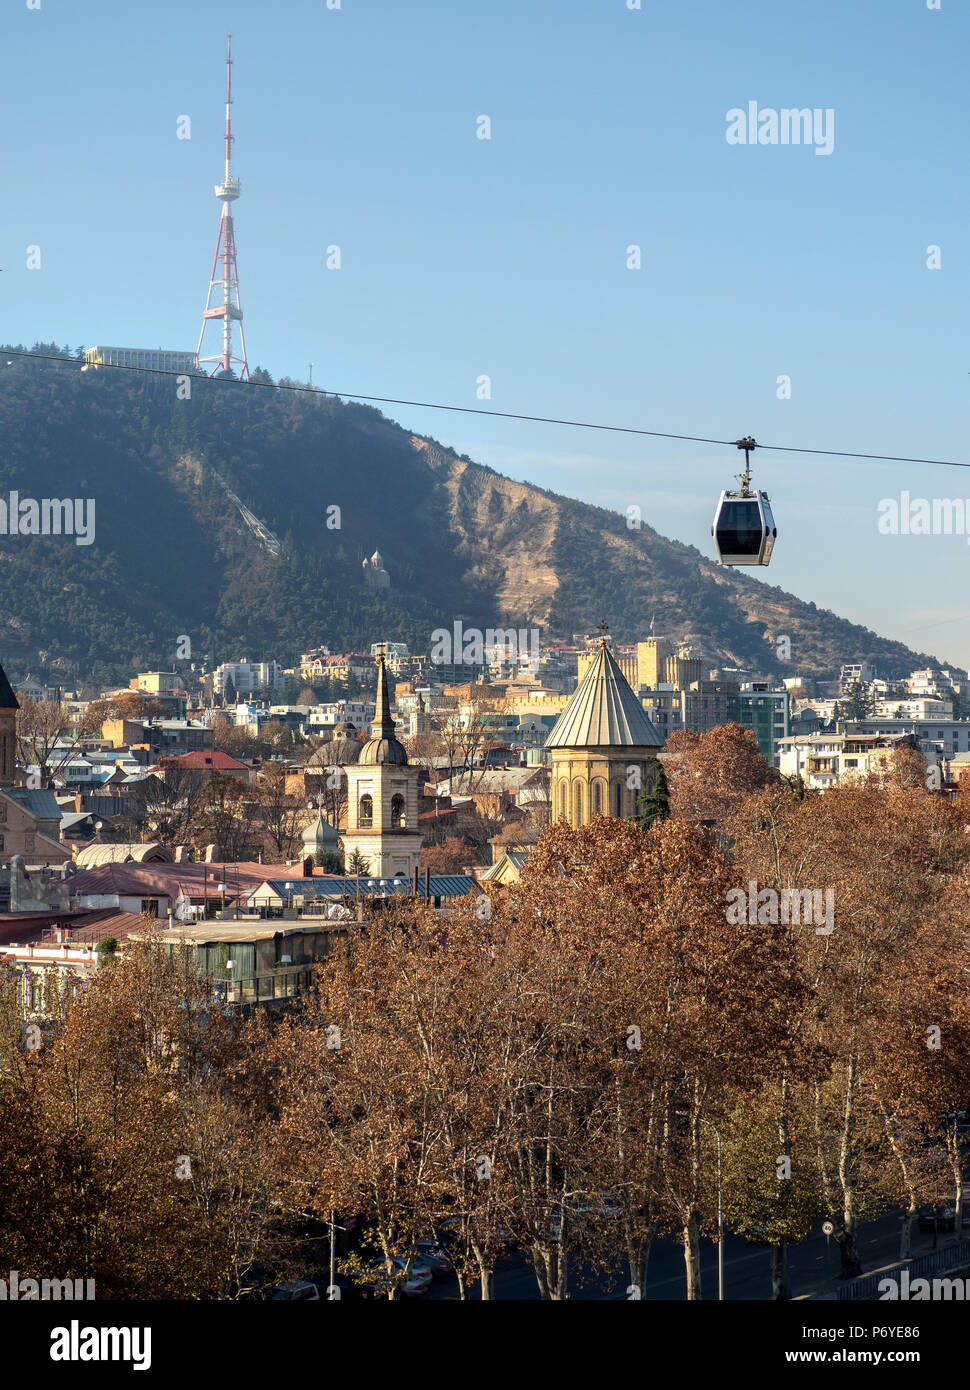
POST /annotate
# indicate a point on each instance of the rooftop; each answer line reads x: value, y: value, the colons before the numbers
x: 603, y: 712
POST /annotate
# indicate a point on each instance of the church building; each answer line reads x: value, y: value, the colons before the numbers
x: 603, y: 747
x: 382, y: 797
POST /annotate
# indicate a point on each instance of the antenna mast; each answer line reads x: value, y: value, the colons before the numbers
x: 222, y: 301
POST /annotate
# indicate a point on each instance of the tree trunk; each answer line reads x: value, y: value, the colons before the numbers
x: 906, y: 1233
x: 848, y: 1248
x: 955, y: 1156
x: 780, y: 1282
x: 692, y: 1260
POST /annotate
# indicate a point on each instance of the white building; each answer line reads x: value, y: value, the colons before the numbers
x: 247, y: 676
x: 325, y: 716
x: 825, y: 760
x: 856, y: 673
x: 153, y: 359
x: 951, y: 735
x: 922, y: 708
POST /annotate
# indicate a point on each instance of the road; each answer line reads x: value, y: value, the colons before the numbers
x: 747, y: 1269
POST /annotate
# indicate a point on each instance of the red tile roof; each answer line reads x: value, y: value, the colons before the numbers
x: 168, y: 880
x: 220, y: 762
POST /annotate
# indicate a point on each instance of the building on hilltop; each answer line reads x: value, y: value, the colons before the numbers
x: 150, y: 359
x: 375, y: 575
x: 603, y: 747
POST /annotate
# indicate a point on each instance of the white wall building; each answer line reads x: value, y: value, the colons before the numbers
x: 247, y: 676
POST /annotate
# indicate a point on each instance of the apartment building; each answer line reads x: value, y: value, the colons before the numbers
x: 247, y: 676
x: 824, y: 760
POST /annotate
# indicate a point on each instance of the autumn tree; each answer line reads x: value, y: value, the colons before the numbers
x: 132, y: 1149
x: 280, y: 812
x: 450, y: 857
x: 49, y: 734
x: 711, y: 774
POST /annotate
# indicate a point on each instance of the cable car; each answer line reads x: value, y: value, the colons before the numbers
x: 743, y: 528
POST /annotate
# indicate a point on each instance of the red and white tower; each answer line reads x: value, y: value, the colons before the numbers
x: 223, y: 298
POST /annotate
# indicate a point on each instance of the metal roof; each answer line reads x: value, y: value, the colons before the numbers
x: 41, y: 804
x: 8, y: 699
x: 604, y: 712
x: 442, y: 886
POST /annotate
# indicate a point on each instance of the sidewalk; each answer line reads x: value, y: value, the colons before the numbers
x: 950, y: 1254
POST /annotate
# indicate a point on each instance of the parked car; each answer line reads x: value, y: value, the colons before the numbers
x: 349, y: 1290
x: 598, y: 1207
x: 417, y: 1283
x: 435, y: 1257
x: 419, y: 1277
x: 295, y: 1291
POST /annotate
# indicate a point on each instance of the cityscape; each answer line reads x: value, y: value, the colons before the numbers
x: 459, y: 872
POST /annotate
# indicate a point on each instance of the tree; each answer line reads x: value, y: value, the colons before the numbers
x: 450, y: 857
x: 858, y: 702
x: 133, y: 1152
x: 712, y: 773
x: 655, y: 804
x: 167, y: 803
x: 229, y: 816
x: 234, y: 739
x: 280, y: 811
x: 884, y: 857
x: 329, y: 861
x: 49, y: 734
x: 357, y: 864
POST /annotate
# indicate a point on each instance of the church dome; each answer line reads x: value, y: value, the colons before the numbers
x: 342, y: 747
x: 383, y: 750
x: 320, y: 834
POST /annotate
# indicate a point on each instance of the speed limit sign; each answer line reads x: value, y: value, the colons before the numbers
x: 827, y: 1228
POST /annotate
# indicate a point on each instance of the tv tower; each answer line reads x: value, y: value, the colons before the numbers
x: 222, y: 301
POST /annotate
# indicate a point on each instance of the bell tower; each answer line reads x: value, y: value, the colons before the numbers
x: 382, y: 797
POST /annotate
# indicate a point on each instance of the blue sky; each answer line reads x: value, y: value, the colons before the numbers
x: 507, y: 257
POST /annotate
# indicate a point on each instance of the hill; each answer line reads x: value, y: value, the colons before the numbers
x: 174, y: 555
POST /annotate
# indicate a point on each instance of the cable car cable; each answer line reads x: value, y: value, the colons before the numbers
x: 496, y: 414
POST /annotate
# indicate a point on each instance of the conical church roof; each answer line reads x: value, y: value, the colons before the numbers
x: 383, y: 746
x: 604, y: 712
x: 8, y: 699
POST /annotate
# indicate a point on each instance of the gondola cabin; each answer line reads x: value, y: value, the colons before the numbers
x: 744, y: 530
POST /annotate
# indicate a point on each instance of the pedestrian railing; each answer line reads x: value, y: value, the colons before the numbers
x: 949, y: 1258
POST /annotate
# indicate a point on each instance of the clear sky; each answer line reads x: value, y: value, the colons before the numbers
x: 463, y: 257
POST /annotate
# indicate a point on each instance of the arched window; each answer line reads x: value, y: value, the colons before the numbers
x: 578, y: 804
x: 397, y: 811
x: 597, y: 808
x: 619, y: 799
x: 562, y: 801
x: 365, y: 812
